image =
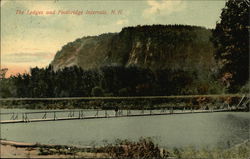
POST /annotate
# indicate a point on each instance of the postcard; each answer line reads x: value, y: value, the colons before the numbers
x: 124, y: 79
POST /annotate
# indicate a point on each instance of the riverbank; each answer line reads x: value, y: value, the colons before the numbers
x: 139, y: 102
x: 144, y: 148
x: 13, y: 149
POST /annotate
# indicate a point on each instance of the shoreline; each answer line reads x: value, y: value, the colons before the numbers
x: 14, y: 149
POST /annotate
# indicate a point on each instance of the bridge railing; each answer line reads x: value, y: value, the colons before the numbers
x: 82, y: 114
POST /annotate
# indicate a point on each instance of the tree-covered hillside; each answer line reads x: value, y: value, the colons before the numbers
x: 154, y: 47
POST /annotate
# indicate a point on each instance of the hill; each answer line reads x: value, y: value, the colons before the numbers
x: 155, y: 60
x: 155, y: 47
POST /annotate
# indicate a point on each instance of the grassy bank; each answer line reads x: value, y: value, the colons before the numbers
x: 143, y: 148
x: 241, y: 151
x: 151, y: 102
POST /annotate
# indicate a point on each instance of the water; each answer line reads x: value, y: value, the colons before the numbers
x: 224, y: 129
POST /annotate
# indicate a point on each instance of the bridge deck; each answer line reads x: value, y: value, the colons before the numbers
x: 111, y: 116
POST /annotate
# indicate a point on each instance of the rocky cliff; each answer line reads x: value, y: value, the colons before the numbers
x: 154, y: 47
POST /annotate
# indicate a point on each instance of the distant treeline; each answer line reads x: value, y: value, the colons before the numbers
x: 106, y: 81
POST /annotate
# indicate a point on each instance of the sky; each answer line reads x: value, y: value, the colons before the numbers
x: 30, y: 37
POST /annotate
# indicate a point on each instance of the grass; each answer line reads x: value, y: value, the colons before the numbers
x: 241, y: 151
x: 146, y: 148
x: 63, y: 150
x: 151, y: 102
x: 143, y: 148
x: 119, y: 98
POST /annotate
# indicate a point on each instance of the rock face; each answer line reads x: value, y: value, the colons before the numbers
x: 154, y: 47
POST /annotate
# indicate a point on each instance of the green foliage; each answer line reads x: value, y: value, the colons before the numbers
x: 246, y: 88
x: 5, y: 88
x: 97, y: 92
x: 144, y: 148
x: 240, y: 151
x: 171, y: 60
x: 123, y: 92
x: 231, y: 39
x: 107, y: 81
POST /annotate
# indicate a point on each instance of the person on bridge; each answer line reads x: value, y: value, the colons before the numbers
x: 116, y: 110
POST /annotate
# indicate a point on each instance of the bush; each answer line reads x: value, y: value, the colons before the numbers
x: 97, y: 92
x: 144, y: 148
x: 245, y: 88
x: 123, y: 92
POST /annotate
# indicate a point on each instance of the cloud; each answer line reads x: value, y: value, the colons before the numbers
x: 40, y: 5
x: 163, y: 7
x: 122, y: 22
x: 37, y: 57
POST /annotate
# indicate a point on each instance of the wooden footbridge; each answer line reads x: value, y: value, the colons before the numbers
x: 83, y: 114
x: 42, y: 116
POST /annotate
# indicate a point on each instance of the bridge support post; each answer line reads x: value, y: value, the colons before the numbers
x: 12, y: 117
x: 165, y: 110
x: 120, y: 112
x: 16, y: 117
x: 45, y: 115
x: 54, y: 115
x: 128, y: 112
x: 172, y: 110
x: 81, y: 114
x: 71, y: 114
x: 26, y: 117
x: 97, y: 112
x: 106, y: 114
x: 142, y: 111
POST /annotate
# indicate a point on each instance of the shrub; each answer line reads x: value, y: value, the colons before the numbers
x: 144, y: 148
x: 97, y: 92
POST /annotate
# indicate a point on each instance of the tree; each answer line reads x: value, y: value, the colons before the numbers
x: 3, y: 72
x: 97, y: 92
x: 230, y: 39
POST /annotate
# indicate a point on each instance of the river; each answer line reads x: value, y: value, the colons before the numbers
x: 220, y: 129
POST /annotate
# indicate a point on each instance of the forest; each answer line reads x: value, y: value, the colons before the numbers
x: 106, y: 81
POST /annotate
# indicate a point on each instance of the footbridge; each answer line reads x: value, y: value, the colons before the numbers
x: 42, y: 116
x: 27, y: 116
